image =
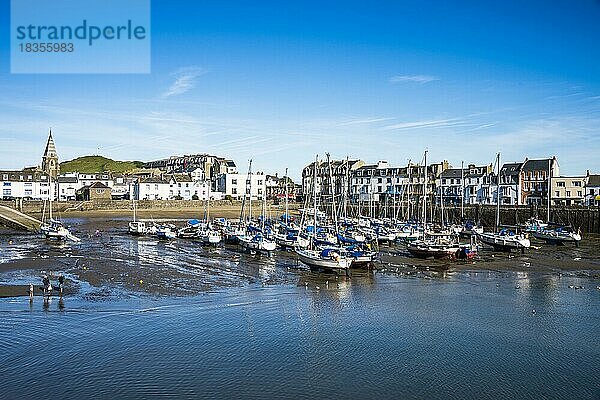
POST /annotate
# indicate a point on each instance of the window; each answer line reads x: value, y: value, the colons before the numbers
x: 379, y: 180
x: 568, y: 193
x: 6, y: 192
x: 557, y: 193
x: 99, y: 191
x: 28, y: 192
x: 234, y: 191
x: 234, y: 181
x: 260, y: 181
x: 577, y: 183
x: 6, y: 183
x: 579, y: 193
x: 560, y: 184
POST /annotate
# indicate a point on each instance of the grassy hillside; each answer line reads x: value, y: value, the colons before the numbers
x: 92, y: 164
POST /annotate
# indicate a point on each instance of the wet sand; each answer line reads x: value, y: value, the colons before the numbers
x: 114, y: 262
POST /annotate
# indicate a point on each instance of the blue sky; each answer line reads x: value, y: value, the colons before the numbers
x: 281, y: 82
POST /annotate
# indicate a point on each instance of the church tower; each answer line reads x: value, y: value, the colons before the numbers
x: 50, y: 159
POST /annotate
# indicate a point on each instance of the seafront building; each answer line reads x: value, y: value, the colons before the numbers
x: 568, y: 190
x: 204, y: 176
x: 592, y: 190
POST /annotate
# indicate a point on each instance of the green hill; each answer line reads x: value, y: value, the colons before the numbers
x: 96, y: 164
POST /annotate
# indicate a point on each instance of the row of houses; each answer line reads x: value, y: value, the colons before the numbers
x: 144, y: 185
x: 189, y: 177
x: 204, y: 176
x: 532, y: 181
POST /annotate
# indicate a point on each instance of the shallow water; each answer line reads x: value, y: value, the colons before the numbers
x: 215, y: 323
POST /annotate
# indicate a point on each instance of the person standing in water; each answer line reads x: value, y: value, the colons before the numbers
x: 46, y: 282
x: 61, y: 282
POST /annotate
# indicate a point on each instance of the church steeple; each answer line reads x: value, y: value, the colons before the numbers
x: 50, y: 163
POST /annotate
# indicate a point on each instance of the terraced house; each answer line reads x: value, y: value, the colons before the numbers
x: 568, y: 190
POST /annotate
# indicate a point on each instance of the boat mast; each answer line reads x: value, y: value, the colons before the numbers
x: 248, y: 176
x: 425, y: 193
x: 394, y: 198
x: 408, y: 200
x: 346, y: 189
x: 286, y: 198
x: 442, y: 203
x: 50, y: 196
x: 314, y: 235
x: 549, y: 189
x: 462, y: 190
x: 331, y: 189
x: 264, y: 210
x: 498, y: 193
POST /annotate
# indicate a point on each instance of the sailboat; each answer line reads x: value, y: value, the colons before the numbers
x: 330, y: 259
x: 137, y: 227
x: 206, y: 233
x: 52, y: 228
x: 256, y: 242
x: 504, y: 239
x: 431, y: 245
x: 286, y: 236
x: 555, y: 233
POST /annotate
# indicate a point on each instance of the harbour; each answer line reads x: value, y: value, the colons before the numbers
x: 220, y: 323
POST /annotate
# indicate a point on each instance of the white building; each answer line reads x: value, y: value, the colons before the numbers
x: 474, y: 183
x: 26, y: 184
x: 592, y: 190
x: 234, y: 185
x: 510, y: 183
x: 152, y: 189
x: 68, y: 185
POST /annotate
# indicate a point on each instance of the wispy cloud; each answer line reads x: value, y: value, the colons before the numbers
x: 185, y: 80
x: 436, y: 123
x: 359, y: 121
x: 413, y: 78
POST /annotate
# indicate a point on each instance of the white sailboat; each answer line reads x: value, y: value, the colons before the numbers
x: 137, y: 227
x: 504, y: 239
x: 52, y: 228
x: 315, y: 258
x: 552, y: 233
x: 256, y: 242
